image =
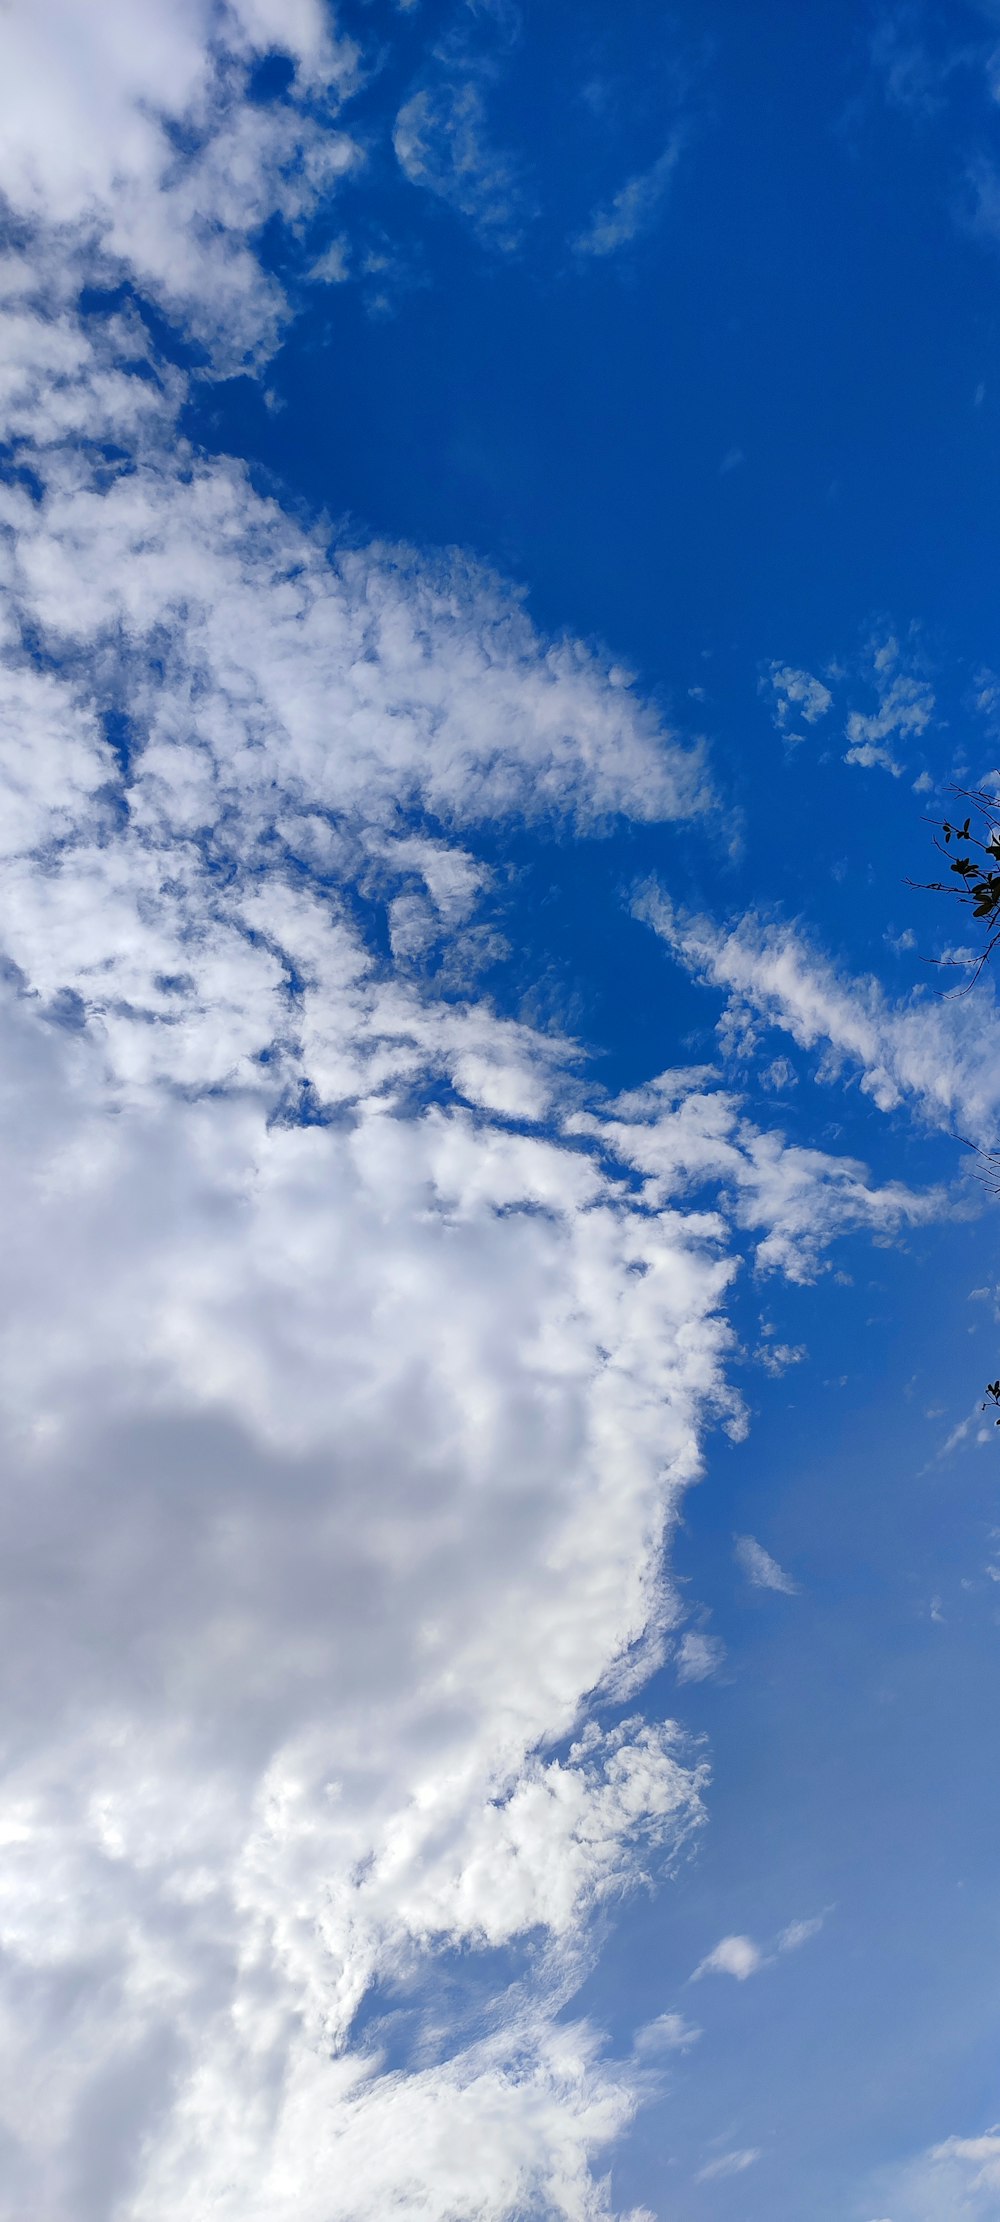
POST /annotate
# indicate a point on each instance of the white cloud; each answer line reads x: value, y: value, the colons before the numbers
x: 347, y: 1401
x: 760, y: 1569
x: 326, y: 1429
x: 332, y: 267
x: 905, y: 709
x: 797, y: 694
x: 350, y: 1380
x: 794, y: 1201
x: 958, y: 2178
x: 668, y: 2033
x: 944, y: 1055
x: 776, y: 1357
x: 800, y: 1932
x: 95, y: 107
x: 738, y: 1956
x: 633, y: 209
x: 698, y: 1656
x: 728, y: 2164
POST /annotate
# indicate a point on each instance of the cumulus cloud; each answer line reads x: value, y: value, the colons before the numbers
x: 382, y: 1359
x: 760, y: 1569
x: 385, y: 1355
x: 353, y: 1359
x: 633, y: 208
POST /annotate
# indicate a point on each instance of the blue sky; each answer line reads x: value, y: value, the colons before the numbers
x: 500, y: 1541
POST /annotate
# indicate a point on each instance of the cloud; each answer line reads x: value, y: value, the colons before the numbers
x: 140, y: 153
x: 738, y: 1956
x: 760, y: 1569
x: 357, y: 1354
x: 442, y: 143
x: 794, y: 1201
x: 729, y: 2164
x: 800, y: 1932
x: 797, y: 694
x: 959, y: 2176
x: 668, y: 2033
x: 914, y: 78
x: 776, y: 1357
x: 633, y: 209
x: 332, y: 267
x: 905, y: 709
x: 697, y: 1657
x: 941, y: 1055
x: 384, y: 1359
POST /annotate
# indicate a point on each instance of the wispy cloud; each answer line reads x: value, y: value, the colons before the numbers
x: 443, y: 143
x: 801, y: 1932
x: 668, y: 2033
x: 632, y: 210
x: 698, y: 1657
x: 943, y: 1054
x: 958, y: 2176
x: 761, y: 1570
x: 729, y: 2164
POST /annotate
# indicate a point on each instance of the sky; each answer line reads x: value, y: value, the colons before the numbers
x: 500, y: 1540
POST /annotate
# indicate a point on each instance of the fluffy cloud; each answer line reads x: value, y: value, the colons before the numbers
x: 791, y: 1201
x: 741, y: 1957
x: 329, y: 1362
x: 738, y: 1956
x: 353, y: 1360
x: 128, y: 143
x: 341, y: 1344
x: 330, y: 1423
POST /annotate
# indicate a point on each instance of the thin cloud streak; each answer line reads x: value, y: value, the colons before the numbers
x: 760, y: 1569
x: 632, y: 210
